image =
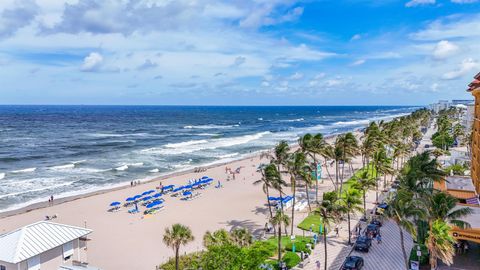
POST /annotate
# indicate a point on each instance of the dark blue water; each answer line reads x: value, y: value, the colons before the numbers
x: 66, y: 150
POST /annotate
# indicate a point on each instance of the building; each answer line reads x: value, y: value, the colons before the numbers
x: 465, y: 102
x: 44, y: 246
x: 440, y: 105
x: 469, y: 116
x: 474, y: 89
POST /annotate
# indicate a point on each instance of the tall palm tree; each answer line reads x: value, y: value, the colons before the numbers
x: 266, y: 186
x: 349, y: 144
x: 364, y: 182
x: 313, y: 146
x: 440, y: 244
x: 175, y: 237
x: 295, y: 166
x: 352, y: 203
x: 277, y: 220
x: 217, y: 238
x: 280, y: 159
x: 443, y: 206
x: 401, y: 209
x: 330, y: 211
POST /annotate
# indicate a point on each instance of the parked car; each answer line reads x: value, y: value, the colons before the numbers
x: 373, y: 230
x: 376, y: 222
x: 427, y: 146
x: 381, y: 208
x: 363, y: 243
x: 353, y: 263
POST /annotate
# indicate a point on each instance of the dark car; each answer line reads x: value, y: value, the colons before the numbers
x: 381, y: 208
x: 376, y: 222
x: 363, y: 243
x: 353, y: 263
x: 372, y: 230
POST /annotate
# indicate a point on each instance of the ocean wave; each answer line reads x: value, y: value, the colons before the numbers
x: 62, y: 167
x: 187, y: 143
x: 228, y: 155
x: 27, y: 170
x: 2, y: 175
x: 209, y: 134
x: 198, y: 145
x: 293, y: 120
x: 35, y: 190
x: 364, y: 122
x: 154, y: 170
x: 210, y: 126
x: 122, y: 168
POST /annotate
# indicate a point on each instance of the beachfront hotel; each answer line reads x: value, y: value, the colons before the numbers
x: 474, y: 89
x: 45, y: 245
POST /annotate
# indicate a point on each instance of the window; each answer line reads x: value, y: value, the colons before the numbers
x: 3, y: 267
x: 67, y: 250
x: 33, y: 263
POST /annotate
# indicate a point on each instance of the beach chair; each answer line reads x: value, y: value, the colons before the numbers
x: 219, y: 185
x: 133, y: 211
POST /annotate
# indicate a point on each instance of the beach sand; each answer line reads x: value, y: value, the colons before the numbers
x: 128, y: 241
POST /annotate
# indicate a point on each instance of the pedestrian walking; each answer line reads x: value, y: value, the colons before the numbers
x: 51, y: 199
x: 318, y: 264
x: 336, y: 230
x: 379, y: 239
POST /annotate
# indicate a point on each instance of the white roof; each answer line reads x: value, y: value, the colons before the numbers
x: 36, y: 238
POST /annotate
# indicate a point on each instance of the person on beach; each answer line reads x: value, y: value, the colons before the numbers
x: 51, y: 200
x: 131, y: 183
x: 318, y: 264
x: 336, y: 230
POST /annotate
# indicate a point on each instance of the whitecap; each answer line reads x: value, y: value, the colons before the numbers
x: 154, y: 170
x: 63, y: 167
x: 187, y: 143
x: 293, y: 120
x: 25, y: 170
x: 228, y: 155
x: 209, y: 126
x: 2, y: 175
x: 122, y: 168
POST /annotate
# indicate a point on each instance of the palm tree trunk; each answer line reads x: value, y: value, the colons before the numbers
x: 279, y: 242
x: 349, y: 230
x: 325, y: 245
x: 268, y: 202
x: 308, y: 197
x: 364, y: 204
x: 336, y: 175
x: 293, y: 205
x: 176, y: 258
x: 402, y: 243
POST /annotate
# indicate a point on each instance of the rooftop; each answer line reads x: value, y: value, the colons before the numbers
x: 36, y: 238
x: 459, y: 182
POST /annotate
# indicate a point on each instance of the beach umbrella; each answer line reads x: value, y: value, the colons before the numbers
x: 168, y: 187
x: 153, y: 204
x: 145, y: 193
x: 130, y: 199
x: 178, y: 189
x: 115, y: 203
x: 186, y: 193
x: 196, y: 184
x: 151, y: 191
x: 272, y: 198
x: 147, y: 198
x: 188, y: 186
x: 136, y: 197
x: 157, y: 195
x: 205, y: 177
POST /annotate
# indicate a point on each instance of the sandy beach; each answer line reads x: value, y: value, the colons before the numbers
x: 131, y: 241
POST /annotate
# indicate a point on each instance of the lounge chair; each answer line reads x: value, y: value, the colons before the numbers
x: 133, y: 211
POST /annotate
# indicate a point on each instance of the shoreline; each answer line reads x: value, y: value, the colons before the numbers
x: 124, y: 185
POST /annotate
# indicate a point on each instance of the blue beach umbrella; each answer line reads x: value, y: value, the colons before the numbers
x: 147, y: 198
x: 145, y: 193
x: 205, y: 177
x: 136, y: 197
x: 152, y: 204
x: 130, y: 199
x: 178, y: 189
x: 157, y: 195
x: 188, y: 186
x: 151, y: 191
x: 273, y: 198
x: 115, y: 203
x: 168, y: 187
x: 186, y: 193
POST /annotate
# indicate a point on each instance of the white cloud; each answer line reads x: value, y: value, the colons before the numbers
x: 17, y: 16
x: 468, y: 65
x: 320, y: 76
x: 333, y: 82
x: 444, y: 49
x: 296, y: 76
x: 358, y: 62
x: 414, y: 3
x: 356, y: 37
x: 434, y: 87
x: 464, y: 1
x: 239, y: 60
x: 92, y: 62
x: 450, y: 28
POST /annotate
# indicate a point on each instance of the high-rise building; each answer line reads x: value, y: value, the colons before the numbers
x: 474, y: 89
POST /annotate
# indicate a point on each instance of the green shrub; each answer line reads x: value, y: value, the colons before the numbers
x: 265, y: 245
x: 299, y: 246
x: 423, y: 259
x: 291, y: 259
x: 185, y: 261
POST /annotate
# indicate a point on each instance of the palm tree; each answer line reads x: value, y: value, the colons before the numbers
x: 349, y: 144
x: 277, y: 220
x: 295, y: 167
x: 177, y: 236
x: 329, y: 211
x: 313, y: 145
x: 401, y: 209
x: 440, y: 244
x: 266, y: 185
x: 443, y: 206
x: 217, y: 238
x: 280, y: 159
x: 241, y: 237
x: 364, y: 182
x: 352, y: 203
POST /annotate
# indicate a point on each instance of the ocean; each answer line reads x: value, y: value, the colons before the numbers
x: 69, y: 150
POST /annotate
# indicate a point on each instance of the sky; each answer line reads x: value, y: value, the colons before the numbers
x: 237, y: 52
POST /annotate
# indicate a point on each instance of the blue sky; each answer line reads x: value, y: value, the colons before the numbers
x: 237, y: 52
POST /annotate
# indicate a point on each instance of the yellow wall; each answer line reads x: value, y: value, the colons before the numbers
x: 476, y: 142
